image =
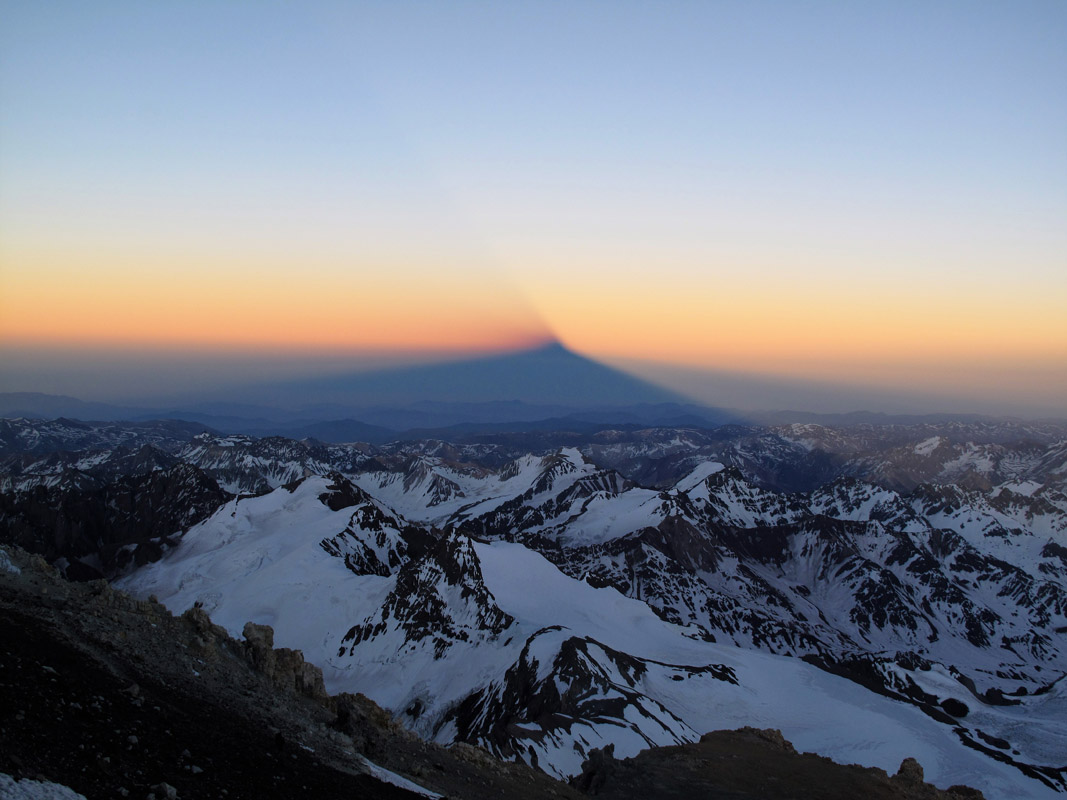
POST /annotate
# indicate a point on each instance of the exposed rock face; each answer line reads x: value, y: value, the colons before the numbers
x: 597, y: 770
x: 285, y: 668
x: 371, y: 729
x: 101, y: 530
x: 206, y: 635
x: 440, y: 597
x: 374, y: 542
x: 910, y: 771
x: 749, y: 763
x: 772, y: 736
x: 259, y: 639
x: 560, y: 687
x: 341, y: 493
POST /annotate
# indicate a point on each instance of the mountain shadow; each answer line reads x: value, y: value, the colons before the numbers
x: 548, y: 375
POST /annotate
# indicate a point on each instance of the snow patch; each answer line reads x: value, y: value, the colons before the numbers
x: 698, y: 476
x: 927, y: 446
x: 6, y: 563
x: 385, y: 776
x: 11, y: 789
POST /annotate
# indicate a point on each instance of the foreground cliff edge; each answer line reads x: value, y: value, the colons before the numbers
x: 115, y: 697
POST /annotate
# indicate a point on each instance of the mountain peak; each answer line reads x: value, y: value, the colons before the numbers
x: 553, y: 347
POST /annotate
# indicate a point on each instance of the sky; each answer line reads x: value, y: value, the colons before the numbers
x: 866, y: 195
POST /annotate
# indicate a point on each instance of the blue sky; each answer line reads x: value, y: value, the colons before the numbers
x: 771, y: 188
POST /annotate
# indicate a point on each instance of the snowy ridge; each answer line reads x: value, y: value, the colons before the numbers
x: 606, y: 670
x: 541, y: 604
x: 492, y: 644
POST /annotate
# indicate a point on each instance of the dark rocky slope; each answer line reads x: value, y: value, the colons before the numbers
x: 95, y: 530
x: 748, y: 763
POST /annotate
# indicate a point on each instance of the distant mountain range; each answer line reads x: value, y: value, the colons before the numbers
x: 425, y: 420
x: 548, y: 388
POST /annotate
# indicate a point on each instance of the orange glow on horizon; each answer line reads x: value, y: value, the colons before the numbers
x: 278, y: 308
x: 839, y: 331
x: 747, y: 330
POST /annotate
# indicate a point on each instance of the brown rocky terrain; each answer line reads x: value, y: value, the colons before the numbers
x: 751, y: 763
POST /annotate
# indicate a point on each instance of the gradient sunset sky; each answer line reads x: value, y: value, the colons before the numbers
x: 858, y: 194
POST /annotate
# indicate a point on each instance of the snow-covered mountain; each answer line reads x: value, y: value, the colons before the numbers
x: 643, y: 587
x: 39, y: 436
x: 491, y: 643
